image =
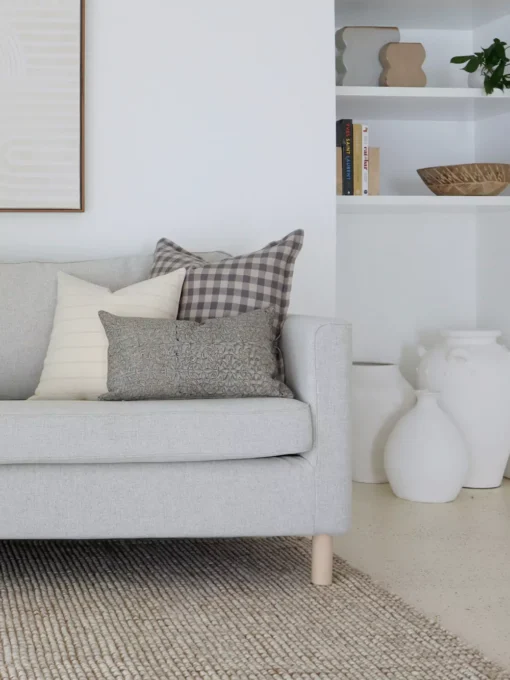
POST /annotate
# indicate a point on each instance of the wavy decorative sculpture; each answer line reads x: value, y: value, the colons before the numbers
x: 358, y: 49
x: 402, y: 65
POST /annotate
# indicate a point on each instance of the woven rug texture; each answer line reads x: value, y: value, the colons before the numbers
x: 210, y: 609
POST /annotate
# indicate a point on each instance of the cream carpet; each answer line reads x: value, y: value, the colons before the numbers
x: 236, y: 610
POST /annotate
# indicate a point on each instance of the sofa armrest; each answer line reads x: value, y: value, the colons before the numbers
x: 317, y: 355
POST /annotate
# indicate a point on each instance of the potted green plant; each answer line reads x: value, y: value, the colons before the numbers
x: 492, y: 62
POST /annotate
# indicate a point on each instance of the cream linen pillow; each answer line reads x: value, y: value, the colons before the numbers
x: 76, y: 364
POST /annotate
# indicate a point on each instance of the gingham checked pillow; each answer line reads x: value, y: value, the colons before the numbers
x: 233, y: 285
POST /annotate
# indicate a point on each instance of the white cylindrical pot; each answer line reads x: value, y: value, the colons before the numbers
x: 472, y: 373
x: 426, y: 458
x: 380, y: 397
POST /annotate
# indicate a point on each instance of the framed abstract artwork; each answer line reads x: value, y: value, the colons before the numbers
x: 42, y: 105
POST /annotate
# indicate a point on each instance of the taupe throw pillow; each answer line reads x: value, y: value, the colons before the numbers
x: 236, y: 284
x: 221, y: 358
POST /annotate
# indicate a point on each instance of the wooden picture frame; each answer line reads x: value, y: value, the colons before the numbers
x: 79, y: 137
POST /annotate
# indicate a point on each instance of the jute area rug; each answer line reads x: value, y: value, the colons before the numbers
x: 239, y: 609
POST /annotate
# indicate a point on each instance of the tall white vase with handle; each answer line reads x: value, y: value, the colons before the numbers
x: 426, y: 457
x: 380, y: 397
x: 471, y: 370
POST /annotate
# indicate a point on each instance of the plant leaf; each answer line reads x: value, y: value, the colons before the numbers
x: 490, y: 55
x: 461, y: 60
x: 498, y: 75
x: 472, y: 65
x: 499, y: 52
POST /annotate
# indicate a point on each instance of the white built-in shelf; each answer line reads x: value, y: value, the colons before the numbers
x: 419, y: 103
x: 377, y: 204
x: 422, y: 14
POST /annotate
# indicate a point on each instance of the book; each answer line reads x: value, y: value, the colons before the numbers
x: 339, y: 134
x: 346, y: 137
x: 366, y: 161
x: 339, y: 172
x: 358, y: 159
x: 374, y: 171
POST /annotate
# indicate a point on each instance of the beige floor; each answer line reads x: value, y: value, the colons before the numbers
x: 451, y: 561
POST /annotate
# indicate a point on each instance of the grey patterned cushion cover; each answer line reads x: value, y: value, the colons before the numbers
x: 236, y: 284
x: 221, y: 358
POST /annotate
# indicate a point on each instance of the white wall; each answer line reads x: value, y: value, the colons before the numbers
x: 211, y: 123
x: 401, y: 278
x: 493, y: 144
x: 440, y: 47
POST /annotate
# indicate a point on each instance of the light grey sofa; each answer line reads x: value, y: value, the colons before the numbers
x: 211, y: 468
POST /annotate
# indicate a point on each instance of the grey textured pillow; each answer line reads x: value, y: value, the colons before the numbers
x: 220, y: 358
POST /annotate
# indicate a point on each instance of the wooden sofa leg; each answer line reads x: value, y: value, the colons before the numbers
x: 322, y: 560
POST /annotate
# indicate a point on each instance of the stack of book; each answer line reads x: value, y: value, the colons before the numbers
x: 358, y: 164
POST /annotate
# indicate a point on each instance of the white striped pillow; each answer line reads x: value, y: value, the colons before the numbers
x: 76, y: 364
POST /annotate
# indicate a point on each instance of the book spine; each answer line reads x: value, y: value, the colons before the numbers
x: 339, y: 133
x: 366, y: 161
x: 347, y: 144
x: 339, y: 171
x: 358, y: 159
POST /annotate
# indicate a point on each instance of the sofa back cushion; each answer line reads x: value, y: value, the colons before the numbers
x: 27, y: 304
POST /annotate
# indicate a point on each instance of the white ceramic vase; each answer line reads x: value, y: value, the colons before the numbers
x: 380, y: 397
x: 472, y: 373
x: 426, y: 458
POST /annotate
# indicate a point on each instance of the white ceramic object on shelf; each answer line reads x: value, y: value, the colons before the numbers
x: 426, y: 458
x: 472, y: 373
x: 380, y: 397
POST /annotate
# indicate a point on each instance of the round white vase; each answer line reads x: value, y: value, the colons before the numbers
x: 426, y: 458
x: 380, y: 397
x: 472, y: 373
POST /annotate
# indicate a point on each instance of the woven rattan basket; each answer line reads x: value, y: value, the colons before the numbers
x: 474, y: 179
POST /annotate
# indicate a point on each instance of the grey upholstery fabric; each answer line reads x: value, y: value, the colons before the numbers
x: 236, y: 284
x: 231, y: 357
x: 28, y: 293
x: 72, y: 432
x: 269, y: 497
x: 275, y: 496
x: 318, y: 363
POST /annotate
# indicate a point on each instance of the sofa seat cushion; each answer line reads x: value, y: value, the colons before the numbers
x: 73, y: 432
